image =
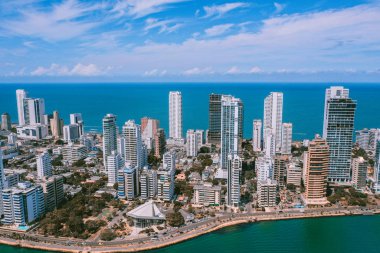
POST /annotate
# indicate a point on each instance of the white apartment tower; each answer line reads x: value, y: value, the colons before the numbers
x: 133, y: 144
x: 44, y: 167
x: 273, y: 105
x: 20, y: 96
x: 109, y: 137
x: 286, y: 138
x: 34, y: 110
x: 232, y: 128
x: 256, y: 138
x: 114, y: 163
x: 175, y: 115
x: 233, y: 180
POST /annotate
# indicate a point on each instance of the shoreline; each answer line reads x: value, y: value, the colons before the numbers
x: 152, y: 245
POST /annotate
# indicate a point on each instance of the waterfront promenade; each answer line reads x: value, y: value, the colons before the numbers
x: 173, y: 236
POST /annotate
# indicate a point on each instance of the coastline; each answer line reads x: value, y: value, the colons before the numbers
x: 151, y: 245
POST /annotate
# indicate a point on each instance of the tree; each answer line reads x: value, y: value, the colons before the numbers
x: 291, y: 187
x: 204, y: 150
x: 59, y: 142
x: 175, y: 219
x: 107, y: 235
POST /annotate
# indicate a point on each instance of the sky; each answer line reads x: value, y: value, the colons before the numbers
x: 189, y: 40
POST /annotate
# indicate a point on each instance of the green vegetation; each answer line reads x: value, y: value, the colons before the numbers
x: 291, y: 187
x: 298, y: 151
x: 175, y: 219
x: 204, y: 150
x: 79, y: 163
x: 68, y: 221
x: 107, y: 235
x: 57, y: 161
x: 59, y: 142
x: 77, y: 178
x: 205, y: 160
x: 152, y: 159
x: 182, y: 187
x: 349, y: 196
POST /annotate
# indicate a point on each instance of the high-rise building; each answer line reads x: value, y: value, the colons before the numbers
x: 44, y: 167
x: 6, y: 121
x: 286, y: 138
x: 71, y: 133
x: 165, y: 183
x: 256, y: 138
x: 53, y: 191
x: 231, y: 128
x: 376, y: 173
x: 233, y: 181
x: 264, y: 168
x: 128, y: 183
x: 191, y: 143
x: 114, y: 163
x: 12, y: 139
x: 267, y: 193
x: 149, y: 129
x: 34, y: 110
x: 20, y: 96
x: 175, y: 115
x: 273, y: 105
x: 316, y: 172
x: 109, y: 137
x: 56, y: 125
x: 269, y: 143
x: 133, y: 144
x: 359, y: 173
x: 23, y: 204
x: 2, y: 181
x: 338, y: 132
x: 279, y: 169
x: 121, y: 146
x: 76, y: 118
x: 367, y: 140
x: 148, y: 183
x: 214, y: 118
x: 159, y: 143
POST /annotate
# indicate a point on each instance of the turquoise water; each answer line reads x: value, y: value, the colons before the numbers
x: 335, y: 235
x: 303, y: 103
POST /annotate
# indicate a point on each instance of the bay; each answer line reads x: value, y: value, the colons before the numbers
x: 314, y: 235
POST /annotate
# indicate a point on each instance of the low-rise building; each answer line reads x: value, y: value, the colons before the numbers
x: 359, y: 173
x: 207, y: 194
x: 73, y: 153
x: 294, y: 174
x: 32, y: 132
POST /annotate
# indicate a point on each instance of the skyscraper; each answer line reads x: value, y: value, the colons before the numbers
x: 56, y: 125
x: 231, y: 128
x: 149, y: 129
x: 359, y: 173
x: 338, y: 132
x: 214, y: 118
x: 34, y: 110
x: 191, y: 143
x: 159, y: 143
x: 256, y: 138
x: 233, y: 180
x: 376, y: 173
x: 20, y: 96
x: 109, y: 137
x: 133, y: 144
x: 44, y: 167
x: 175, y: 115
x: 114, y: 163
x: 76, y: 118
x: 273, y: 105
x: 316, y: 172
x: 6, y: 121
x: 286, y: 138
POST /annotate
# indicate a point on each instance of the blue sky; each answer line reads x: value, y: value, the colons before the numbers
x: 189, y: 40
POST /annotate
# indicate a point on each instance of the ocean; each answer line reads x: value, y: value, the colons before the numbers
x: 303, y: 103
x: 314, y: 235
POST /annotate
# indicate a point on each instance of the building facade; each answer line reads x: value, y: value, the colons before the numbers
x: 214, y: 118
x: 273, y: 106
x: 256, y: 138
x: 109, y: 137
x: 175, y: 115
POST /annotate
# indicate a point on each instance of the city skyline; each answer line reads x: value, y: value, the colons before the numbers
x: 183, y: 40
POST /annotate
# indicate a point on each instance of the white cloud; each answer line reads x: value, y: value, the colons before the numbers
x: 315, y: 41
x: 163, y: 26
x: 218, y: 30
x: 234, y: 70
x: 141, y: 8
x: 58, y: 70
x: 59, y: 23
x: 220, y: 10
x: 279, y: 7
x: 255, y: 70
x: 198, y: 71
x: 155, y: 72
